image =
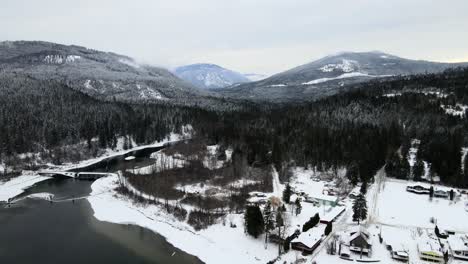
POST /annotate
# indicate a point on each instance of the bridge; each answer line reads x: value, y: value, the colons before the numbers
x: 75, y: 175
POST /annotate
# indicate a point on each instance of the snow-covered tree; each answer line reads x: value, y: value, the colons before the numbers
x: 360, y: 208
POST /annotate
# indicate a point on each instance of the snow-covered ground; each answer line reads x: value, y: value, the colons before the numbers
x: 345, y: 66
x: 343, y: 76
x: 401, y: 217
x: 397, y: 207
x: 455, y: 110
x: 17, y: 185
x: 216, y: 244
x: 162, y: 162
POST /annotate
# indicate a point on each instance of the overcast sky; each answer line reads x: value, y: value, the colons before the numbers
x: 261, y: 36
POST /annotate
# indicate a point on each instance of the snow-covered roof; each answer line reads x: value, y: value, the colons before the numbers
x: 429, y: 245
x: 458, y: 243
x: 359, y: 234
x: 324, y: 197
x: 311, y: 237
x: 333, y: 213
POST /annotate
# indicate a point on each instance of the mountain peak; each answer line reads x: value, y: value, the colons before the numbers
x: 209, y: 76
x: 329, y: 74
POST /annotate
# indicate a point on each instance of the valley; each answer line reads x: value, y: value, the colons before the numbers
x: 330, y: 162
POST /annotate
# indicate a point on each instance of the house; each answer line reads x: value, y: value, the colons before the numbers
x: 359, y: 241
x: 325, y: 199
x: 429, y: 250
x: 308, y: 241
x: 459, y: 247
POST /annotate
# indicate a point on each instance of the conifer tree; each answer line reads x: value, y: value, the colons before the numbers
x: 298, y: 206
x: 418, y: 170
x: 287, y: 194
x: 328, y: 228
x: 360, y: 208
x: 253, y: 219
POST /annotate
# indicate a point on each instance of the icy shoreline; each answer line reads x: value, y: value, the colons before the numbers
x: 217, y: 244
x: 18, y: 185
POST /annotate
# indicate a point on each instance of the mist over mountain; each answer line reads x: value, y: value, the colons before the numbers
x: 255, y: 76
x: 100, y: 74
x: 209, y: 76
x: 326, y: 76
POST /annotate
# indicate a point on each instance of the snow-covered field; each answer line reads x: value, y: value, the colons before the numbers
x: 397, y: 207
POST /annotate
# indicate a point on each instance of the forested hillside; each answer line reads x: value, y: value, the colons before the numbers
x: 360, y: 130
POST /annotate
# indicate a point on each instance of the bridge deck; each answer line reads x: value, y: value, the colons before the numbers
x: 77, y: 175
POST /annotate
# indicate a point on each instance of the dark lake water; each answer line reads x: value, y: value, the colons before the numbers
x: 36, y: 231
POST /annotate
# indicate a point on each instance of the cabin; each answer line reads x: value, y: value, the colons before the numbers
x: 308, y: 241
x: 458, y: 247
x: 359, y: 241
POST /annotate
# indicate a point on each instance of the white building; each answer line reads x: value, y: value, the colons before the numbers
x: 458, y: 247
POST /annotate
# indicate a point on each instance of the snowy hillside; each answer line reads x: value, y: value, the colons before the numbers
x: 209, y: 76
x: 99, y: 74
x: 326, y: 76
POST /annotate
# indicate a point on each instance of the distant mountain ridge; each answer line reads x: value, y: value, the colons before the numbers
x: 100, y: 74
x: 255, y: 76
x: 209, y: 76
x: 325, y: 76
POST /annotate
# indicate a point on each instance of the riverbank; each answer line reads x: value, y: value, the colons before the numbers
x: 110, y: 153
x: 217, y: 244
x: 16, y: 186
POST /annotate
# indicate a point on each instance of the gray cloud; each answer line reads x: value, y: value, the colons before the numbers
x: 263, y: 36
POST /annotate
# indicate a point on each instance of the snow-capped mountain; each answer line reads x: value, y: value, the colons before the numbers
x: 99, y: 74
x: 209, y: 76
x: 326, y: 76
